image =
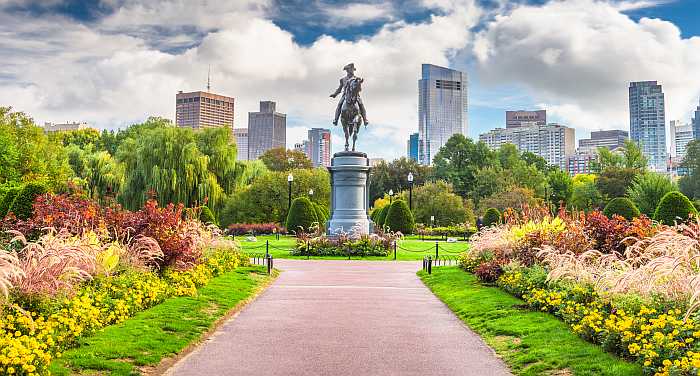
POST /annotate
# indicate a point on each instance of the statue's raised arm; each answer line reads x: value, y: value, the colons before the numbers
x: 350, y: 109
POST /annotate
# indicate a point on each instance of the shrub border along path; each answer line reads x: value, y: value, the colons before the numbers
x: 531, y: 343
x: 153, y: 339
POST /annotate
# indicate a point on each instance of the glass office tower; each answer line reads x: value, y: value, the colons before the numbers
x: 442, y: 109
x: 648, y: 122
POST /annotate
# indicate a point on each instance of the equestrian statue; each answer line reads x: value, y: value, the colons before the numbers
x: 350, y: 110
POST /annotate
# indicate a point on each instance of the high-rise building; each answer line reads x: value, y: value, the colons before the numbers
x: 64, y: 127
x: 241, y: 135
x: 648, y: 122
x: 442, y: 109
x: 319, y: 147
x: 696, y: 123
x: 610, y: 139
x: 552, y: 141
x: 579, y: 163
x: 200, y: 109
x: 412, y: 147
x: 267, y: 129
x: 680, y: 135
x: 516, y: 119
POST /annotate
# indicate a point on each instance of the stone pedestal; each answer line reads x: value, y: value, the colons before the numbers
x: 349, y: 193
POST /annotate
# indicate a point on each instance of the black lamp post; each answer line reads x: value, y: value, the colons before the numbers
x: 391, y: 196
x: 410, y: 190
x: 290, y: 179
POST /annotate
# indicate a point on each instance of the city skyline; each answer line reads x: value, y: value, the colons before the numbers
x: 110, y: 66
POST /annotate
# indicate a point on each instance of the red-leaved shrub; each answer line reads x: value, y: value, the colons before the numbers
x: 490, y: 271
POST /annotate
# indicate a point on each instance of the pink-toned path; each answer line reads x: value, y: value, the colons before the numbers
x: 344, y: 318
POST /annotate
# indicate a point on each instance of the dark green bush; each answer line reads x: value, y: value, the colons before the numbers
x: 674, y: 207
x: 22, y: 204
x: 6, y: 201
x: 621, y: 206
x: 206, y: 216
x: 301, y: 215
x: 381, y: 216
x: 322, y: 213
x: 400, y: 218
x: 492, y: 217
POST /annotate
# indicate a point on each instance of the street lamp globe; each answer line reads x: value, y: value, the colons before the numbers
x: 290, y: 178
x: 311, y: 192
x: 391, y: 192
x: 410, y: 177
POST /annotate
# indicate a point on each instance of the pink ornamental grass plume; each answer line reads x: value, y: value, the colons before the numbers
x: 56, y: 262
x: 10, y: 270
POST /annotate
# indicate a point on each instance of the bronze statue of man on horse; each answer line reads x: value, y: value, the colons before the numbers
x: 350, y: 110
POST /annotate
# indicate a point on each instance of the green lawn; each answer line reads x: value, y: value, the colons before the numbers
x: 410, y: 248
x: 531, y: 343
x: 163, y: 330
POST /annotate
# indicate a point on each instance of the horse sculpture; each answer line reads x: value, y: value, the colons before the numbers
x: 350, y: 115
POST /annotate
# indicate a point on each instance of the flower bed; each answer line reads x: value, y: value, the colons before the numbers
x: 99, y: 268
x: 255, y: 229
x: 345, y: 245
x: 629, y: 286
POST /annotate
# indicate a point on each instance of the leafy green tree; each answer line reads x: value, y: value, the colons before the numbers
x: 492, y: 216
x: 206, y: 215
x: 648, y: 189
x: 399, y: 218
x: 459, y: 160
x: 585, y: 196
x: 394, y: 175
x: 674, y: 207
x: 621, y: 206
x: 690, y: 184
x: 540, y: 163
x: 381, y: 216
x: 560, y: 187
x: 80, y: 137
x: 27, y: 154
x: 629, y: 156
x: 217, y: 144
x: 281, y: 159
x: 614, y: 181
x: 265, y: 199
x: 515, y: 197
x: 439, y: 200
x: 302, y: 215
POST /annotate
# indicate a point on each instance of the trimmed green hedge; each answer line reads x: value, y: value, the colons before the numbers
x: 400, y: 218
x: 302, y: 215
x: 621, y: 206
x: 22, y: 205
x: 674, y: 206
x: 492, y: 217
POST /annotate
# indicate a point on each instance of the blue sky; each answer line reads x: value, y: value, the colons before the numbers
x: 113, y: 63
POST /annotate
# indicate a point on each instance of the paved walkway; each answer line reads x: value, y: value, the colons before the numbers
x: 344, y: 318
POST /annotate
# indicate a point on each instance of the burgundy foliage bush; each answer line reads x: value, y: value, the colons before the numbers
x: 490, y: 271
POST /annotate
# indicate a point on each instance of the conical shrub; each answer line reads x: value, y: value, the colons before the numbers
x: 302, y: 215
x: 400, y: 218
x: 674, y: 207
x: 621, y: 206
x: 492, y: 217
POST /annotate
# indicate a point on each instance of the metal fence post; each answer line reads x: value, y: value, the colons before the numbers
x: 269, y: 264
x: 430, y: 265
x: 395, y: 249
x: 436, y: 250
x: 307, y: 250
x: 267, y: 247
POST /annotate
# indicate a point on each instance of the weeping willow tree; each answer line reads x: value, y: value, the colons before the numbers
x: 218, y: 145
x: 101, y: 175
x: 248, y: 171
x: 168, y: 163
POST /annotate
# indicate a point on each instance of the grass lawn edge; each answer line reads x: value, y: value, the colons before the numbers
x: 529, y: 342
x: 67, y: 366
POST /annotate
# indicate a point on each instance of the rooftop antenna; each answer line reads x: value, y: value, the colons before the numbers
x: 209, y: 79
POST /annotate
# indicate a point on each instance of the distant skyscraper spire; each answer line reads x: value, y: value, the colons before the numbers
x: 209, y: 79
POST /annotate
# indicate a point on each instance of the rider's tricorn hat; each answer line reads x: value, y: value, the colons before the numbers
x: 348, y: 67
